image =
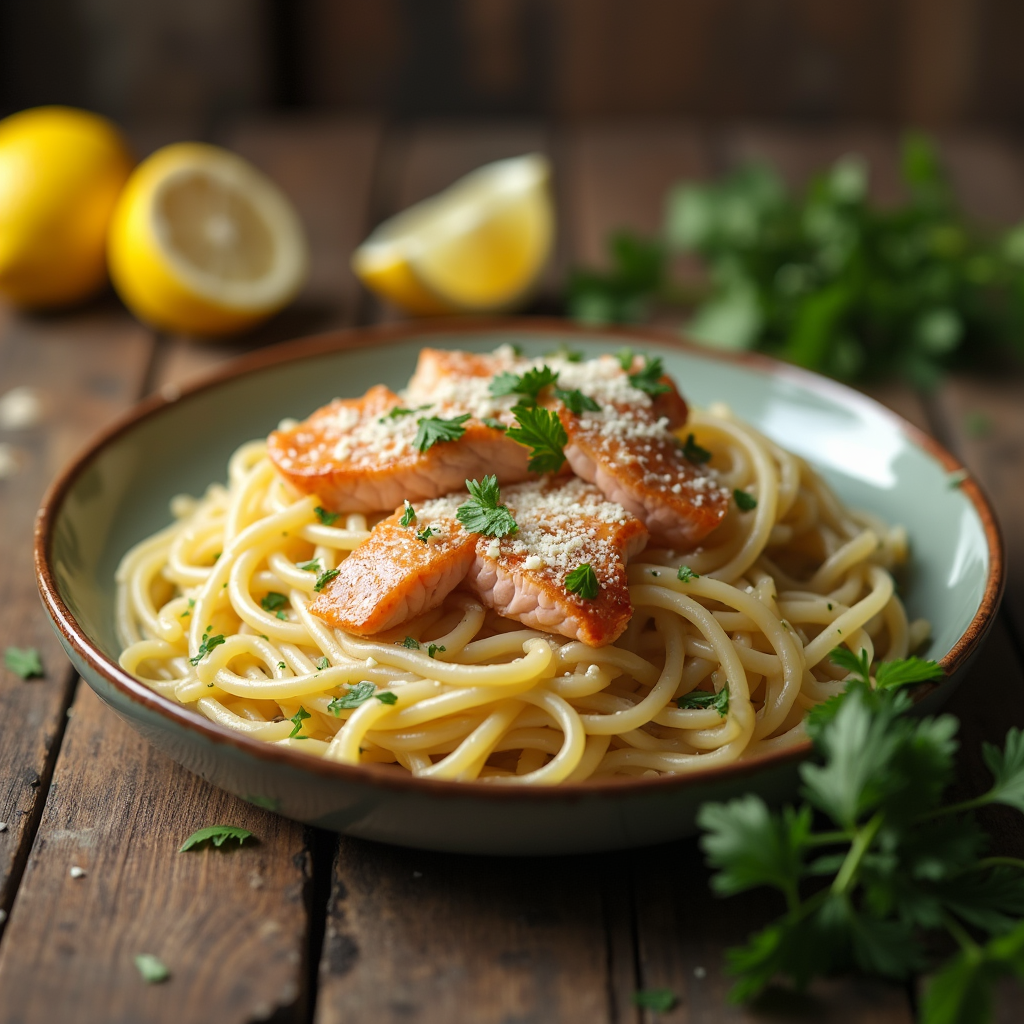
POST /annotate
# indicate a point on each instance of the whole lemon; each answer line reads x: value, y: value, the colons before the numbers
x: 60, y: 174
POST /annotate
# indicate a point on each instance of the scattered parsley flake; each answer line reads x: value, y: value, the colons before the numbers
x: 489, y: 421
x: 151, y: 968
x: 529, y: 385
x: 660, y: 1000
x: 355, y: 695
x: 281, y: 665
x: 325, y: 517
x: 744, y: 502
x: 411, y: 642
x: 704, y: 700
x: 297, y: 719
x: 434, y: 648
x: 387, y: 697
x: 577, y: 402
x: 433, y: 430
x: 583, y: 581
x: 425, y: 534
x: 272, y: 601
x: 218, y: 835
x: 207, y: 645
x: 23, y: 661
x: 282, y: 616
x: 625, y: 358
x: 398, y: 412
x: 409, y: 515
x: 542, y: 431
x: 313, y: 566
x: 324, y: 578
x: 694, y: 453
x: 685, y: 574
x: 322, y: 663
x: 482, y: 513
x: 648, y: 379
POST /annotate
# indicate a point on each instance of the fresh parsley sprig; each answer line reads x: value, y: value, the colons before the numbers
x: 23, y: 661
x: 704, y: 700
x: 693, y: 452
x: 583, y: 581
x: 217, y: 835
x: 577, y: 402
x: 409, y: 515
x: 207, y: 645
x: 894, y: 865
x: 358, y: 695
x: 542, y: 432
x: 325, y: 517
x: 648, y: 379
x: 483, y: 513
x: 324, y: 578
x: 433, y: 430
x: 528, y: 385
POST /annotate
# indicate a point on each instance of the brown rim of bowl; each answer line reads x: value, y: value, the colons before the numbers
x: 357, y: 338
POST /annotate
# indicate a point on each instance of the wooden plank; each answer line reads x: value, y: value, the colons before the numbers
x: 83, y: 369
x: 441, y: 939
x: 230, y: 925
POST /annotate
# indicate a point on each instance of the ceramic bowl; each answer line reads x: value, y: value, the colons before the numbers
x: 118, y: 490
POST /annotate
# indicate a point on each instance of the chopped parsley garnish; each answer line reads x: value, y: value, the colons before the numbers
x: 529, y: 385
x: 281, y: 616
x: 577, y: 402
x: 583, y: 581
x: 890, y: 674
x: 297, y: 719
x: 218, y: 835
x: 272, y: 601
x: 324, y: 578
x: 281, y: 665
x: 685, y: 574
x: 325, y: 517
x: 433, y: 430
x: 387, y: 697
x: 648, y: 379
x: 482, y: 513
x: 541, y: 431
x: 411, y: 642
x: 313, y: 566
x: 494, y: 424
x: 151, y: 968
x: 356, y: 695
x: 434, y: 648
x: 625, y: 358
x: 425, y: 534
x: 398, y: 412
x: 660, y: 1000
x: 208, y: 644
x: 23, y: 661
x: 322, y: 663
x: 744, y: 502
x: 704, y: 700
x: 409, y: 515
x: 693, y: 451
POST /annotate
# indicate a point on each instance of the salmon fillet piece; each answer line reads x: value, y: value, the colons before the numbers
x: 358, y: 455
x: 563, y: 524
x: 398, y: 573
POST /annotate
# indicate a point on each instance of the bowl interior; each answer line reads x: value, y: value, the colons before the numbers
x: 122, y: 495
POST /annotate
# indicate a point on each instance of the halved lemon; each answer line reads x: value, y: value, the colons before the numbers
x: 201, y: 242
x: 478, y: 246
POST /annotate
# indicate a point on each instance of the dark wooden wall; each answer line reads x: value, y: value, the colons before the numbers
x: 930, y: 62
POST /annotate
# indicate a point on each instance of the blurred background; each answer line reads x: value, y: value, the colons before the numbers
x: 192, y: 64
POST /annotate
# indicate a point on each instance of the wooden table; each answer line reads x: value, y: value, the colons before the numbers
x: 307, y: 926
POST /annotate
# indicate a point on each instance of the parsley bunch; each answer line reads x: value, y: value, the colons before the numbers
x: 827, y: 280
x: 894, y: 866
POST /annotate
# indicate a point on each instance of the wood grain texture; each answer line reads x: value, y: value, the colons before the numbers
x: 229, y: 924
x: 443, y: 939
x: 83, y: 373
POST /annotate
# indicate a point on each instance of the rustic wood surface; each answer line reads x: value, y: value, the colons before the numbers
x: 304, y: 926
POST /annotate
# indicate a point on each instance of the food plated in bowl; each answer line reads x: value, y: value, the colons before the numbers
x: 616, y: 711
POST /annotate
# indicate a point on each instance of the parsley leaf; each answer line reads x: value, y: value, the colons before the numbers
x: 529, y: 385
x: 398, y: 412
x: 411, y: 642
x: 207, y: 645
x: 23, y: 661
x: 356, y: 695
x: 151, y: 968
x: 660, y: 1000
x: 387, y: 697
x: 272, y: 601
x: 693, y: 451
x: 685, y: 574
x: 297, y: 719
x: 625, y: 358
x: 891, y: 674
x: 323, y: 663
x: 325, y: 517
x: 433, y: 430
x: 704, y: 699
x: 542, y: 431
x: 583, y: 581
x: 409, y: 515
x: 313, y: 566
x: 324, y: 578
x: 434, y: 648
x: 425, y: 534
x: 482, y: 513
x: 648, y: 379
x: 744, y: 502
x: 1007, y: 768
x: 218, y: 835
x: 494, y: 424
x: 577, y: 402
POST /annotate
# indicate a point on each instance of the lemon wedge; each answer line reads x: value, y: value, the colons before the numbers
x: 61, y: 171
x: 478, y: 246
x: 201, y: 242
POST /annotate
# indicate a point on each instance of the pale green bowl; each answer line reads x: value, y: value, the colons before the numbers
x: 118, y: 491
